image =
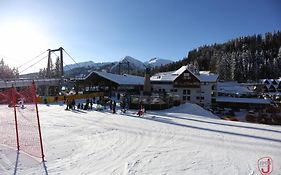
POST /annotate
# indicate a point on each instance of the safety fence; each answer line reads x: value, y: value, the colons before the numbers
x: 19, y: 120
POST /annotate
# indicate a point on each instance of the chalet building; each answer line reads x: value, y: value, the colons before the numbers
x: 108, y: 82
x: 188, y: 84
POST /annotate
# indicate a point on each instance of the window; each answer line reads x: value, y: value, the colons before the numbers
x: 184, y: 91
x: 184, y: 98
x: 188, y: 91
x: 174, y: 90
x: 186, y: 76
x: 188, y: 98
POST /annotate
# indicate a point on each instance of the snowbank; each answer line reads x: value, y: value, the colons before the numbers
x: 181, y: 140
x: 191, y: 109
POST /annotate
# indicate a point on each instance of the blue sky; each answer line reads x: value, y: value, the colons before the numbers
x: 108, y: 30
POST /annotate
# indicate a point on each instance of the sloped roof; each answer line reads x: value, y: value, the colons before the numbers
x: 203, y: 76
x: 206, y: 76
x: 164, y: 76
x: 233, y: 87
x: 243, y: 100
x: 120, y: 79
x: 269, y: 83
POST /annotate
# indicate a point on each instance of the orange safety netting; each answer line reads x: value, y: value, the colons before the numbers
x: 19, y: 120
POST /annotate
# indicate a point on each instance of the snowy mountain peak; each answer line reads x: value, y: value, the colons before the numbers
x: 154, y: 62
x: 77, y: 65
x: 135, y: 62
x: 86, y: 64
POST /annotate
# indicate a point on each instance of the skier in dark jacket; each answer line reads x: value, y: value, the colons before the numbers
x: 114, y: 107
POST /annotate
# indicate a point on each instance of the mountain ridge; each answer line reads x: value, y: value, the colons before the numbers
x: 133, y: 63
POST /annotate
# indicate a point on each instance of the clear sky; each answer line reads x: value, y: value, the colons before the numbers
x: 108, y: 30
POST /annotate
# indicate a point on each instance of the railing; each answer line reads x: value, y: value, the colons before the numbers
x: 52, y: 99
x: 28, y: 82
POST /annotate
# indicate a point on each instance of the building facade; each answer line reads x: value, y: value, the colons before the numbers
x: 111, y: 83
x: 188, y: 85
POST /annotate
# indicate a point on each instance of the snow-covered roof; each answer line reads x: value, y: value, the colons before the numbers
x: 243, y: 100
x: 234, y: 88
x: 164, y: 76
x: 180, y: 70
x: 270, y: 81
x: 125, y: 79
x: 203, y: 76
x: 206, y: 76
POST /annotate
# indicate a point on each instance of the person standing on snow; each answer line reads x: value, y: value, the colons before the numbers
x: 114, y: 107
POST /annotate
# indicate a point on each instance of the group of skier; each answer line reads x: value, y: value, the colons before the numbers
x: 101, y: 105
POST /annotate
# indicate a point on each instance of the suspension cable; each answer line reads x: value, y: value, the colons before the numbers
x: 32, y: 59
x: 70, y: 56
x: 33, y: 64
x: 64, y: 62
x: 68, y: 66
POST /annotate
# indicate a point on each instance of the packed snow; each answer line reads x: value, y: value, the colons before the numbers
x: 182, y: 140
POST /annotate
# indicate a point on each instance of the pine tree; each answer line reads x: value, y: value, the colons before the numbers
x: 57, y: 71
x: 238, y: 68
x: 252, y: 57
x: 278, y: 63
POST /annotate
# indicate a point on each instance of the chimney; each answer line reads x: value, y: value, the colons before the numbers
x: 147, y: 84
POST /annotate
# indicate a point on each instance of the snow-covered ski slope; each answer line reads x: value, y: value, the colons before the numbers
x: 181, y: 140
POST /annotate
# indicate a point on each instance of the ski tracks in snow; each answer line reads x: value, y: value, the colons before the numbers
x: 92, y: 142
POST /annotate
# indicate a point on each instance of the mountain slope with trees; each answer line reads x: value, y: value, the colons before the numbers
x: 246, y: 58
